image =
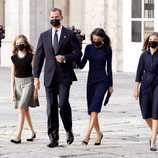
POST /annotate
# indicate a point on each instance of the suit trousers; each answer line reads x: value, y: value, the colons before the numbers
x: 58, y: 97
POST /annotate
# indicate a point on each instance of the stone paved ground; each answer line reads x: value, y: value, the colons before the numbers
x: 125, y: 133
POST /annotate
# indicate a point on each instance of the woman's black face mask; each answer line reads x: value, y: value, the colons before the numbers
x: 153, y: 44
x: 20, y: 47
x: 97, y: 44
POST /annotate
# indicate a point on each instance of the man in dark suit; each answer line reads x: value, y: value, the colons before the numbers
x: 59, y: 47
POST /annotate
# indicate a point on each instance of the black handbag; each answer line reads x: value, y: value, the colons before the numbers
x: 108, y: 95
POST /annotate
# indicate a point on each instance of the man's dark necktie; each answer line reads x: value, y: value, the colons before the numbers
x: 55, y: 42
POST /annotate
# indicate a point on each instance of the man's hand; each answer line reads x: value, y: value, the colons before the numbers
x: 35, y: 93
x: 60, y: 58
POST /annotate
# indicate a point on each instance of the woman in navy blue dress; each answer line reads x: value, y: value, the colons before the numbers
x: 99, y: 55
x: 147, y: 75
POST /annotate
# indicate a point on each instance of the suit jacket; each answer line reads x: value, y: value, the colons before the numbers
x: 68, y: 46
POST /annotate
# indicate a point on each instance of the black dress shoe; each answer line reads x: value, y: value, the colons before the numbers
x: 98, y: 143
x: 70, y: 137
x: 15, y: 141
x: 31, y: 139
x: 53, y: 144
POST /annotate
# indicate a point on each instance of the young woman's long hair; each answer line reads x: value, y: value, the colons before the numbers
x: 100, y: 32
x: 28, y: 46
x: 146, y: 42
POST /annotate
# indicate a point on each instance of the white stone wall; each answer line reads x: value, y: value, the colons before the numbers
x: 64, y: 6
x: 113, y: 27
x: 77, y: 14
x: 105, y: 14
x: 94, y: 15
x: 11, y: 30
x: 39, y: 18
x: 28, y: 17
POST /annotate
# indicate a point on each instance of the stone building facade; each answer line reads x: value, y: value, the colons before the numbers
x: 126, y: 22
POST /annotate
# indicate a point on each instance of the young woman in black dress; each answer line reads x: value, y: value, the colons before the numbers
x: 22, y: 88
x: 147, y: 78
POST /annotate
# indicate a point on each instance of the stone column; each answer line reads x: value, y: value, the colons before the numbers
x: 1, y: 19
x: 11, y: 29
x: 108, y: 15
x: 119, y: 37
x: 28, y: 17
x: 38, y: 14
x: 113, y: 26
x: 94, y: 16
x: 64, y: 6
x: 2, y: 12
x: 77, y: 14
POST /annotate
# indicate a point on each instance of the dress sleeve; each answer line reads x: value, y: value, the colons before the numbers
x: 83, y: 61
x: 140, y: 69
x: 109, y: 67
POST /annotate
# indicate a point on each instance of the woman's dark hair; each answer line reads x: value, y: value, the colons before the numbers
x: 100, y: 32
x: 28, y: 46
x: 146, y: 42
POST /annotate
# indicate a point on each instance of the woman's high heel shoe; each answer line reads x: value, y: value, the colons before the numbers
x: 98, y: 143
x: 84, y: 142
x: 15, y: 141
x: 152, y: 147
x: 31, y: 139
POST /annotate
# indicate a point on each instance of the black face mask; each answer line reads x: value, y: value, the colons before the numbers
x: 20, y: 47
x: 55, y: 22
x: 153, y: 44
x: 97, y: 44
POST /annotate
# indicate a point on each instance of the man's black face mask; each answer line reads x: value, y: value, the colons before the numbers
x: 55, y: 22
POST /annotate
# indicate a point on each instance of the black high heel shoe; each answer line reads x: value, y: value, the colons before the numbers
x: 98, y: 143
x: 84, y: 142
x: 152, y: 147
x: 15, y: 141
x: 31, y: 139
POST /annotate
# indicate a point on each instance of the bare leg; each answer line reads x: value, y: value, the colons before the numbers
x: 20, y: 123
x: 97, y: 128
x: 92, y: 122
x: 154, y: 131
x: 28, y: 121
x: 149, y: 123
